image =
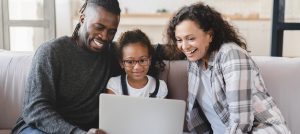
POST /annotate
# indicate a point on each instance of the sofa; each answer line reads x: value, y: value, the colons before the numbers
x: 281, y: 76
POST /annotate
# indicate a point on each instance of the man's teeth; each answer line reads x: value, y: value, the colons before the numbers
x: 98, y: 43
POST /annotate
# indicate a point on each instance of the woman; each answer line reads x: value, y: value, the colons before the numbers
x: 226, y: 90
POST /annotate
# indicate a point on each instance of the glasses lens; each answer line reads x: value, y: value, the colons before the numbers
x: 143, y: 62
x: 131, y: 63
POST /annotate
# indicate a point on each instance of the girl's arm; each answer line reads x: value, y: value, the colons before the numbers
x: 112, y: 85
x: 108, y: 91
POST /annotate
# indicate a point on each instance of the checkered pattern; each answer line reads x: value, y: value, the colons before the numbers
x: 239, y: 95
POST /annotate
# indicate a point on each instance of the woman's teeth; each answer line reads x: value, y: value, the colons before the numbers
x: 191, y: 51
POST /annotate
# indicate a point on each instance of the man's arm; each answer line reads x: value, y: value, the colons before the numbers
x: 39, y: 108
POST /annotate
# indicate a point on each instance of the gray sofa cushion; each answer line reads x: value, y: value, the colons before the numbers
x: 282, y: 78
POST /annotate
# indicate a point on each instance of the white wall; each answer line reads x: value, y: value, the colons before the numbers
x: 1, y: 28
x: 63, y: 13
x: 257, y: 34
x: 224, y: 6
x: 150, y: 6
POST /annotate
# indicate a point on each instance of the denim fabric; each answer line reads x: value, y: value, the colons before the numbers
x: 30, y: 130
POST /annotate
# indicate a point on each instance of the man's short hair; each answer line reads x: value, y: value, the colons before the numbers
x: 109, y: 5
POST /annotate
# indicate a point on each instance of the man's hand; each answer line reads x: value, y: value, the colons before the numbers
x: 95, y: 131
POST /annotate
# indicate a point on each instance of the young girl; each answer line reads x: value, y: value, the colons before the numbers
x: 136, y: 56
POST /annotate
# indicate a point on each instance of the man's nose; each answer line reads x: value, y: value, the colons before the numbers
x: 103, y: 35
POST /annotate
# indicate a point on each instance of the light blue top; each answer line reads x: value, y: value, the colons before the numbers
x: 204, y: 98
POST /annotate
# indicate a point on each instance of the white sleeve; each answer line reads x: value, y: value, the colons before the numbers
x: 113, y: 85
x: 163, y: 89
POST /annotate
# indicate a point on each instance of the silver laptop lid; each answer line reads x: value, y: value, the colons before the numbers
x: 139, y: 115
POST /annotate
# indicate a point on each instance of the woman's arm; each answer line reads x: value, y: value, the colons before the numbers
x: 237, y: 70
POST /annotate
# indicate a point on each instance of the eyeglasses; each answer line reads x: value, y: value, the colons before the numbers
x: 132, y: 63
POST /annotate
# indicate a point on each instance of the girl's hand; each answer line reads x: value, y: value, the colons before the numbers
x: 95, y: 131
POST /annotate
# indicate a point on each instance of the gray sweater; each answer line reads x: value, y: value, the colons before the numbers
x: 63, y: 87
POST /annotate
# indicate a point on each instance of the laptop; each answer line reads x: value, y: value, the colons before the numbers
x: 140, y: 115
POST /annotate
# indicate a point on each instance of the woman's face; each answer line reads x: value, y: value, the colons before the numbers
x: 136, y: 61
x: 192, y: 40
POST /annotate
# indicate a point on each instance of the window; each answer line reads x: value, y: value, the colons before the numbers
x: 25, y: 24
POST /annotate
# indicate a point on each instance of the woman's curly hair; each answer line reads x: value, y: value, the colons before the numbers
x: 137, y: 36
x: 207, y: 19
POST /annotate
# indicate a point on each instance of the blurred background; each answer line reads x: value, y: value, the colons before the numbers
x: 25, y: 24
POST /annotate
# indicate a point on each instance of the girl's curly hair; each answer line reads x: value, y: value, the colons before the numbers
x: 137, y: 36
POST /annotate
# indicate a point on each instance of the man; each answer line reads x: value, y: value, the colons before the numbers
x: 69, y: 73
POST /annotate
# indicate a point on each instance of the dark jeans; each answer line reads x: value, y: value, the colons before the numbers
x: 30, y: 130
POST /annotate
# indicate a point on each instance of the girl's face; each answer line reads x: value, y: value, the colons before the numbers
x: 136, y: 61
x: 192, y: 40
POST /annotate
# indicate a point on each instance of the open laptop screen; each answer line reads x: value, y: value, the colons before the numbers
x: 139, y: 115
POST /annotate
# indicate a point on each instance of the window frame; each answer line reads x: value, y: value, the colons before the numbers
x: 1, y: 27
x: 48, y: 23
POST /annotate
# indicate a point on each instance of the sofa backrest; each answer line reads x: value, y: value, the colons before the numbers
x: 175, y: 76
x: 14, y: 67
x: 282, y: 79
x: 281, y: 76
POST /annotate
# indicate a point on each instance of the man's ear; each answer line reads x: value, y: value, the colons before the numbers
x: 81, y: 18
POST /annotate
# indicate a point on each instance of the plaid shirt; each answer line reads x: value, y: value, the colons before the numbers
x: 239, y: 95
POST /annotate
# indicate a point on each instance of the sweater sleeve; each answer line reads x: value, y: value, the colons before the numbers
x: 39, y: 109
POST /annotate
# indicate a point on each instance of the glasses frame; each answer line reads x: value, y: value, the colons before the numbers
x: 126, y: 63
